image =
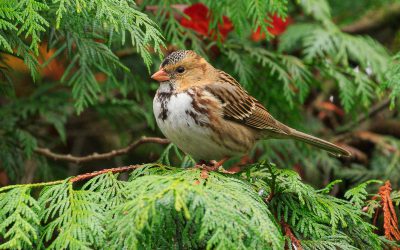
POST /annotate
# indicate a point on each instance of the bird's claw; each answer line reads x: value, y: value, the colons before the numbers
x: 212, y: 165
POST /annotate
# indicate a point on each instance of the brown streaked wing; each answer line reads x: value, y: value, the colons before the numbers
x: 239, y: 106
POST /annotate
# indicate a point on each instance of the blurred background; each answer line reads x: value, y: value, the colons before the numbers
x: 77, y: 83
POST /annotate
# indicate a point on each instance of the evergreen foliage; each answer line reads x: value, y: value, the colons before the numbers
x: 393, y: 80
x: 160, y: 203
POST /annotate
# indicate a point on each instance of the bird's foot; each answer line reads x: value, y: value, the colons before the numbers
x: 201, y: 163
x: 211, y: 165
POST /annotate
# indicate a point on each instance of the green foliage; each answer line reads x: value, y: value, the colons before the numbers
x: 246, y: 15
x: 393, y: 80
x: 91, y: 56
x: 358, y: 194
x: 46, y: 104
x: 33, y: 23
x: 7, y: 14
x: 19, y: 218
x: 384, y: 165
x: 319, y: 10
x: 80, y: 26
x: 76, y: 216
x: 160, y: 206
x: 83, y: 40
x: 334, y: 52
x: 178, y: 201
x: 314, y: 214
x: 89, y: 39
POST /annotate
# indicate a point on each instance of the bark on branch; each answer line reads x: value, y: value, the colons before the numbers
x: 288, y: 232
x: 96, y: 156
x: 364, y: 117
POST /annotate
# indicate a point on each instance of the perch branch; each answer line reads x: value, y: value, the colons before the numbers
x: 77, y: 178
x: 86, y: 176
x: 95, y: 156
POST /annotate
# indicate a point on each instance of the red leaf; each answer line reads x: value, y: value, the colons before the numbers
x: 332, y: 107
x: 278, y: 26
x: 199, y: 20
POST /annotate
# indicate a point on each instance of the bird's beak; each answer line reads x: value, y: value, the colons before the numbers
x: 160, y: 76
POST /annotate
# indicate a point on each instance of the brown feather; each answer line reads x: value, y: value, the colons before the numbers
x: 241, y: 107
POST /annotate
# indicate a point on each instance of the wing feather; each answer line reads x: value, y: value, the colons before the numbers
x: 240, y: 107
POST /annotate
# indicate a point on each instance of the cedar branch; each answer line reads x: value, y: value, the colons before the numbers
x: 288, y: 232
x: 80, y: 177
x: 364, y: 117
x: 95, y: 156
x: 86, y: 176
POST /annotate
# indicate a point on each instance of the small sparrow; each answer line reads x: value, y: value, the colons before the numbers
x: 207, y: 114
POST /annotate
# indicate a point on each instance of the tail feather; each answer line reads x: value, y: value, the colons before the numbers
x: 319, y: 143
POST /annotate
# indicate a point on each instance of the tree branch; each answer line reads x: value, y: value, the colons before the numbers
x: 77, y: 178
x: 90, y: 175
x: 86, y: 176
x: 362, y: 118
x: 95, y: 156
x: 386, y: 127
x: 288, y: 232
x: 374, y: 20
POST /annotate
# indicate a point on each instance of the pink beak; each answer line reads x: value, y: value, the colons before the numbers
x: 160, y: 76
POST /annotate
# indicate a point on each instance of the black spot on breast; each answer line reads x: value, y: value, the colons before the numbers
x: 191, y: 114
x: 195, y: 118
x: 195, y: 103
x: 164, y: 98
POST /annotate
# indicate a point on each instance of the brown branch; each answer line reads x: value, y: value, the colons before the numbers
x: 376, y: 139
x: 386, y: 127
x: 78, y: 177
x: 178, y: 7
x: 374, y: 20
x: 362, y: 118
x: 90, y: 175
x: 86, y: 176
x: 376, y: 216
x: 288, y: 232
x: 356, y: 154
x: 270, y: 196
x: 95, y: 156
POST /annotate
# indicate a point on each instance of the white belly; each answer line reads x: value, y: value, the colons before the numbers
x: 180, y: 127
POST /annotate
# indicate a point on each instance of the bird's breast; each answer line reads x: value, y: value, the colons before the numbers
x: 180, y: 113
x: 190, y: 119
x: 179, y: 109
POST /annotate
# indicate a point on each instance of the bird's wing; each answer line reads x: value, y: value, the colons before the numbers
x: 240, y: 107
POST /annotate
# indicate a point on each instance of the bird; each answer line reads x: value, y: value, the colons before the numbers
x: 207, y: 114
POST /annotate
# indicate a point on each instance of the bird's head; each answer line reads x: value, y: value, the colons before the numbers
x: 184, y: 68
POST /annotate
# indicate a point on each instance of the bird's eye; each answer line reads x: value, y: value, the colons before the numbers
x: 180, y: 69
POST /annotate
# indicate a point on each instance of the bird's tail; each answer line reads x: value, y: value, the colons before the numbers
x: 319, y: 143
